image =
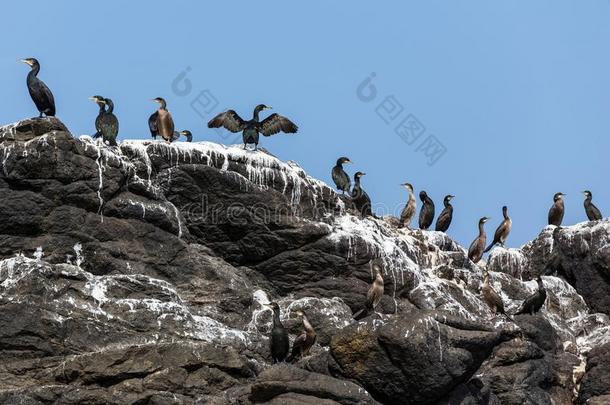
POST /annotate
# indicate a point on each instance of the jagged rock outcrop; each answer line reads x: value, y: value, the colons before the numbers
x: 136, y: 274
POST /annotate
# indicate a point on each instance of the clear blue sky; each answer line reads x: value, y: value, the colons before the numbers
x: 517, y: 91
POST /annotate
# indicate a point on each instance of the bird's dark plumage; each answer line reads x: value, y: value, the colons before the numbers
x: 279, y: 343
x: 502, y: 231
x: 106, y: 123
x: 341, y: 179
x: 475, y: 251
x: 444, y: 219
x: 426, y: 214
x: 557, y: 210
x: 152, y: 124
x: 373, y: 296
x: 592, y: 211
x: 534, y: 302
x: 491, y: 296
x: 302, y: 344
x: 360, y: 199
x: 99, y: 100
x: 251, y: 129
x: 408, y: 212
x: 164, y: 121
x: 40, y: 93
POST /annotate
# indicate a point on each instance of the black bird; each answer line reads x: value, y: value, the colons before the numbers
x: 250, y: 130
x: 373, y: 296
x: 163, y: 122
x: 152, y: 125
x: 360, y: 198
x: 534, y: 302
x: 106, y: 123
x: 444, y: 220
x: 592, y: 212
x: 426, y: 214
x: 491, y: 296
x: 341, y: 178
x: 475, y: 251
x: 557, y: 210
x: 302, y: 344
x: 502, y: 231
x: 408, y: 212
x: 40, y: 93
x: 185, y: 133
x: 99, y: 100
x: 279, y: 343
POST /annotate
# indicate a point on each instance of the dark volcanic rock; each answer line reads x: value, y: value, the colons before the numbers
x: 136, y: 274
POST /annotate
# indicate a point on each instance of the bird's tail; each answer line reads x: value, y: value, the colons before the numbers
x: 363, y: 313
x: 97, y: 135
x: 488, y: 248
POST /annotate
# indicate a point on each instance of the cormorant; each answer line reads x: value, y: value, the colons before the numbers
x: 360, y: 198
x: 408, y: 212
x: 279, y: 343
x: 271, y: 125
x: 490, y: 296
x: 152, y: 125
x: 339, y: 176
x: 556, y: 211
x: 40, y: 93
x: 475, y: 251
x: 592, y: 212
x: 502, y: 231
x: 164, y: 122
x: 185, y: 133
x: 444, y: 220
x: 106, y: 123
x: 534, y: 302
x: 303, y: 342
x: 373, y: 296
x: 426, y: 214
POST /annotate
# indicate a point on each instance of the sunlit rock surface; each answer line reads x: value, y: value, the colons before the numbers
x: 138, y: 274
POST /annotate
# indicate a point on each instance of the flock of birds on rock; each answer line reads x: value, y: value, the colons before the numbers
x: 161, y: 124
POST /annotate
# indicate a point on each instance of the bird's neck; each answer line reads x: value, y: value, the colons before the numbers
x: 588, y: 200
x: 447, y: 204
x: 276, y: 319
x: 307, y: 326
x: 357, y: 182
x: 110, y: 106
x: 255, y: 114
x: 35, y: 70
x: 505, y: 215
x: 339, y: 164
x: 481, y: 229
x: 102, y: 108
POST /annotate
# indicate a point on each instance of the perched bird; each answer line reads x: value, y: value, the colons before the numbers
x: 164, y: 123
x: 373, y: 296
x: 475, y: 251
x: 40, y: 93
x: 502, y: 231
x: 106, y: 123
x: 444, y: 220
x: 557, y: 210
x: 534, y: 302
x: 185, y: 133
x: 592, y: 212
x: 360, y: 198
x: 250, y: 130
x: 408, y: 212
x: 426, y: 214
x: 99, y: 100
x: 152, y: 125
x: 341, y: 179
x: 490, y: 296
x: 302, y: 344
x: 279, y: 343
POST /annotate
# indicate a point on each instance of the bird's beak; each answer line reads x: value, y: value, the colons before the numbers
x: 268, y: 108
x: 349, y: 161
x: 267, y: 306
x: 92, y: 98
x: 27, y: 62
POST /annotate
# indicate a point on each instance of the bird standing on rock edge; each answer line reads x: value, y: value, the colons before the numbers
x: 106, y: 123
x: 302, y: 344
x: 373, y: 296
x: 279, y: 343
x: 426, y: 214
x: 475, y: 251
x: 360, y: 199
x: 250, y: 130
x: 534, y: 302
x: 557, y: 210
x: 161, y: 122
x: 502, y: 231
x: 408, y: 212
x: 591, y: 210
x: 40, y: 93
x: 341, y: 179
x: 491, y: 296
x: 444, y: 220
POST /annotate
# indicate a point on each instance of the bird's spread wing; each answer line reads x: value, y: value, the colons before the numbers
x: 275, y: 123
x: 152, y: 124
x: 229, y: 120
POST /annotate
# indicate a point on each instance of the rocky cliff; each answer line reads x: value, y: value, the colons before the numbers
x: 136, y: 274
